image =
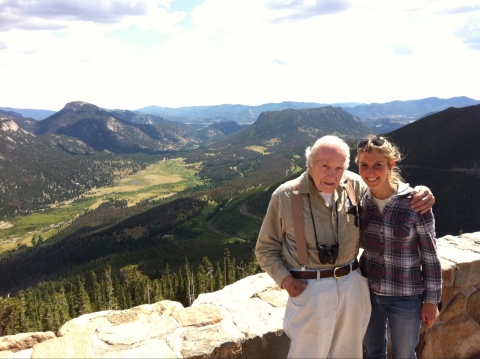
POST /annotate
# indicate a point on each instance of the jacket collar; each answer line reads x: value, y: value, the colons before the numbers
x: 403, y: 189
x: 306, y: 186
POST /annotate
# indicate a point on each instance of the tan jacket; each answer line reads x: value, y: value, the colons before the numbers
x: 276, y: 237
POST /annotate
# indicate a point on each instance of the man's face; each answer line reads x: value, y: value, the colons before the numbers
x: 327, y: 168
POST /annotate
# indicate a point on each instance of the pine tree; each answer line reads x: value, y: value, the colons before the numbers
x: 122, y: 301
x: 34, y: 304
x: 11, y: 316
x: 6, y: 307
x: 181, y: 292
x: 48, y: 317
x: 62, y: 306
x: 82, y: 300
x: 190, y: 284
x: 219, y: 278
x: 71, y: 295
x: 136, y: 283
x: 24, y: 324
x: 228, y: 267
x: 110, y: 299
x: 167, y: 284
x: 209, y: 278
x: 253, y: 267
x: 200, y: 279
x: 95, y: 293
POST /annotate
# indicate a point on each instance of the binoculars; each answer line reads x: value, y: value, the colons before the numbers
x: 327, y: 256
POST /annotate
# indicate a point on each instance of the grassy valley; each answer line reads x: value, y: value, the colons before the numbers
x: 153, y: 184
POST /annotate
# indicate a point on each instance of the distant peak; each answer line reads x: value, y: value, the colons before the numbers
x: 8, y: 125
x: 76, y: 105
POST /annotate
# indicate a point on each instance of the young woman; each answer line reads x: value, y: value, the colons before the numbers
x: 400, y: 258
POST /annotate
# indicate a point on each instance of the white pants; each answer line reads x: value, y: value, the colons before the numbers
x: 329, y: 318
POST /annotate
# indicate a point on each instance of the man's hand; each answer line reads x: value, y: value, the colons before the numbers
x: 423, y: 199
x: 429, y: 314
x: 293, y: 286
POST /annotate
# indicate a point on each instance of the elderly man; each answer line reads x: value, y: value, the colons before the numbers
x: 308, y: 244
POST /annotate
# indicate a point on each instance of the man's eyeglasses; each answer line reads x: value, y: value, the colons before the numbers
x: 376, y: 141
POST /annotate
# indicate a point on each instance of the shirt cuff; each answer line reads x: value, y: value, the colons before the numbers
x: 433, y: 297
x: 281, y: 275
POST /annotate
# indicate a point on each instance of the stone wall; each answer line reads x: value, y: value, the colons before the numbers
x: 456, y: 334
x: 244, y: 320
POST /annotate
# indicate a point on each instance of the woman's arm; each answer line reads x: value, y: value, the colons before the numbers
x: 431, y: 267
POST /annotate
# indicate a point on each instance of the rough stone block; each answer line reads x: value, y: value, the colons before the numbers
x: 448, y: 272
x: 208, y: 341
x: 271, y: 345
x: 199, y: 315
x: 467, y: 262
x: 447, y: 294
x: 455, y: 308
x: 474, y: 237
x: 19, y: 342
x: 150, y: 349
x: 131, y: 333
x: 473, y: 307
x: 276, y: 298
x: 458, y: 338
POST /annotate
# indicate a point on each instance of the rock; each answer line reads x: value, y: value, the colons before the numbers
x: 448, y: 270
x: 217, y: 325
x: 455, y: 308
x: 457, y: 338
x: 19, y: 342
x: 467, y: 261
x: 198, y: 316
x: 473, y: 307
x: 98, y: 334
x: 21, y: 354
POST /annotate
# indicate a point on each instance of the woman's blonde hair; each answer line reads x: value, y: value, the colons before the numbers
x: 386, y: 148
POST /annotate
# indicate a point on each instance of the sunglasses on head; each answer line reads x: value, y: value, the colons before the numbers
x: 376, y: 141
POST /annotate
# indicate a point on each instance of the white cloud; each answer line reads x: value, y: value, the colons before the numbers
x: 134, y: 54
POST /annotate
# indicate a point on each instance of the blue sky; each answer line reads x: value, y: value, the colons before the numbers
x: 120, y: 54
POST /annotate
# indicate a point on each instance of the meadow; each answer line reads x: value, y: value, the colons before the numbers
x: 157, y: 182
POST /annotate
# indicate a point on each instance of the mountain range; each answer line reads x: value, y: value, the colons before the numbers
x: 83, y: 147
x: 381, y: 117
x: 122, y: 131
x: 384, y: 115
x: 240, y: 151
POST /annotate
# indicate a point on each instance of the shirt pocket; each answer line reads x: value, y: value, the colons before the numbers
x: 402, y: 227
x: 314, y: 230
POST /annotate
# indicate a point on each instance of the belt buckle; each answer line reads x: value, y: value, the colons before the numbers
x: 335, y: 273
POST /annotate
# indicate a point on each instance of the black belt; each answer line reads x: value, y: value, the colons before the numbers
x: 327, y: 273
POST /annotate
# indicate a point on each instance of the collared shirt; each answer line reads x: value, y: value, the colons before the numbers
x: 400, y: 255
x: 276, y: 247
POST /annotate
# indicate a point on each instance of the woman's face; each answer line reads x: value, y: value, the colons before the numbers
x: 374, y: 168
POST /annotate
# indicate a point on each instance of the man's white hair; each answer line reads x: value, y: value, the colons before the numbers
x: 330, y: 140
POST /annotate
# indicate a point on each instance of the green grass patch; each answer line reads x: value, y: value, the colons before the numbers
x: 157, y: 182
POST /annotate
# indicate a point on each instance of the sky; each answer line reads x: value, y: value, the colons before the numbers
x: 120, y: 54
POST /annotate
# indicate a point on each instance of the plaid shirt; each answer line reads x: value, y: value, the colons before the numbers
x: 400, y: 254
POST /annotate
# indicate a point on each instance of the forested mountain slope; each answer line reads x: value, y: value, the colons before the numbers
x: 36, y: 171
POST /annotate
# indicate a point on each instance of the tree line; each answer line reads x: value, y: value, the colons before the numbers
x: 48, y: 305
